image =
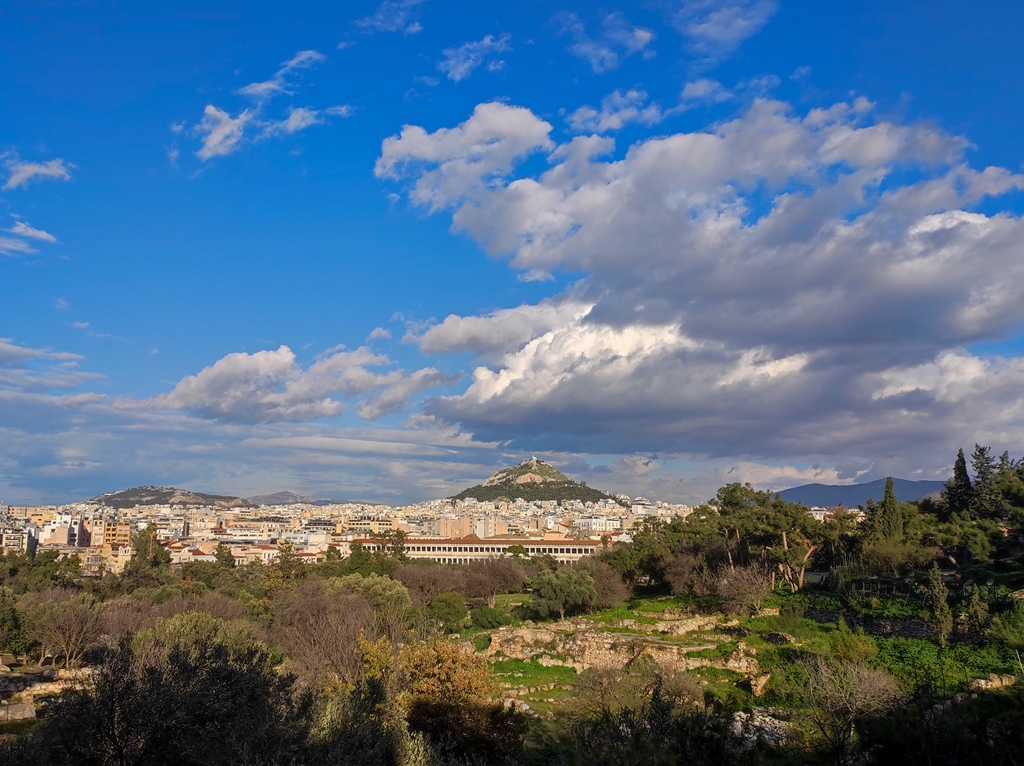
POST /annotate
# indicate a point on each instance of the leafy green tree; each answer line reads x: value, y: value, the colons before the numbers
x: 224, y: 556
x: 196, y: 701
x: 288, y: 564
x: 450, y: 610
x: 959, y: 491
x: 562, y: 591
x: 13, y: 637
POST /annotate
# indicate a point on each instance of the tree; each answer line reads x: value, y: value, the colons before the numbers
x: 194, y: 701
x: 938, y: 597
x: 389, y: 599
x: 959, y: 492
x: 148, y: 551
x: 449, y: 609
x: 224, y: 556
x: 13, y: 636
x: 562, y: 591
x: 65, y: 624
x: 319, y: 630
x: 609, y: 589
x: 836, y: 696
x: 741, y: 590
x: 986, y: 500
x: 885, y: 521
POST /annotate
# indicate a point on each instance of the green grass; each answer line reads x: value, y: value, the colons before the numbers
x: 25, y: 726
x: 532, y: 673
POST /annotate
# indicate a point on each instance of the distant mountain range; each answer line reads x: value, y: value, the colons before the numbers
x: 293, y: 498
x: 129, y: 498
x: 852, y: 495
x: 532, y: 479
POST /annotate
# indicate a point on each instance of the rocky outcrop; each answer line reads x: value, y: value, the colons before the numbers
x: 577, y: 644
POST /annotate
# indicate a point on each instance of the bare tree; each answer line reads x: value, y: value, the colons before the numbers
x: 320, y: 630
x: 488, y: 578
x: 742, y: 589
x: 427, y: 581
x: 123, y: 616
x: 836, y: 695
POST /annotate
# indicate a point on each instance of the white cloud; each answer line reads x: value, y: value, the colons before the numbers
x: 22, y: 172
x: 379, y: 333
x: 705, y: 90
x: 395, y: 397
x: 756, y: 289
x: 459, y: 63
x: 222, y: 133
x: 61, y: 304
x: 300, y: 118
x: 617, y: 110
x: 13, y: 247
x: 270, y: 386
x: 498, y: 331
x: 279, y: 83
x: 714, y: 29
x: 617, y: 40
x: 393, y: 16
x: 31, y: 370
x: 22, y: 229
x: 464, y: 157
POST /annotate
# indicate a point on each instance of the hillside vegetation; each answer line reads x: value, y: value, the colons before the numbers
x: 532, y: 479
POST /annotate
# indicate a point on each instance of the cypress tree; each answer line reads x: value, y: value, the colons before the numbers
x: 986, y: 499
x: 958, y: 492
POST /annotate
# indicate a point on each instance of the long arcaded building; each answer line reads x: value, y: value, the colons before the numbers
x: 466, y: 550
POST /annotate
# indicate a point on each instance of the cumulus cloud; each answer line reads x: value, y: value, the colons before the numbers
x: 498, y: 331
x: 393, y: 16
x: 21, y: 172
x: 617, y: 110
x: 460, y: 62
x: 395, y: 397
x: 714, y: 29
x: 270, y: 386
x: 617, y: 40
x: 765, y: 287
x: 465, y: 157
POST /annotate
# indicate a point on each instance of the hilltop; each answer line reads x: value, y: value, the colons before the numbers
x: 852, y: 495
x: 532, y: 479
x: 129, y: 498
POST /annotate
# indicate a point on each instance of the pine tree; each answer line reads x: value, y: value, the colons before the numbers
x: 986, y: 500
x: 958, y: 492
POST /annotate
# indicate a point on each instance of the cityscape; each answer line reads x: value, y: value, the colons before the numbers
x: 447, y: 383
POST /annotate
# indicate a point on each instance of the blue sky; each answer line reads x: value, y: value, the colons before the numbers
x: 379, y: 250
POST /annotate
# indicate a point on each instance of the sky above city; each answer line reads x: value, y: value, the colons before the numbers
x: 378, y: 250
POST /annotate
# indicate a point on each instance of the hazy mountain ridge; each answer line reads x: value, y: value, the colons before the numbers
x: 129, y: 498
x: 852, y: 495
